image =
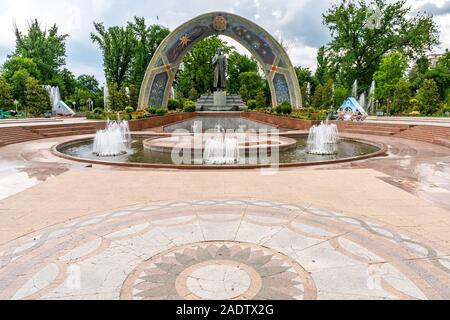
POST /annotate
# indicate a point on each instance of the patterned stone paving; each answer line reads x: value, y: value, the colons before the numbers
x: 222, y: 249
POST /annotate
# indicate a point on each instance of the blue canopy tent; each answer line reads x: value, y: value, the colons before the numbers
x: 352, y: 110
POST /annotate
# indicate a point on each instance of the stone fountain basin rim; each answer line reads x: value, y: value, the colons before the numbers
x: 383, y: 149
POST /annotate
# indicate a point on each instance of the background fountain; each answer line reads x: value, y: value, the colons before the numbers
x: 362, y: 100
x: 355, y: 89
x: 323, y: 139
x: 371, y: 105
x: 58, y: 106
x: 114, y: 140
x: 106, y: 97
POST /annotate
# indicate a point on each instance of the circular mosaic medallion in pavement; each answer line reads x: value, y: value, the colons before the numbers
x: 219, y: 271
x: 223, y: 249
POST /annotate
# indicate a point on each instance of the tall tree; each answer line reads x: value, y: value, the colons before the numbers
x: 392, y: 69
x: 45, y: 47
x: 118, y: 45
x: 148, y: 39
x: 418, y: 72
x: 323, y: 72
x: 363, y: 32
x: 237, y: 64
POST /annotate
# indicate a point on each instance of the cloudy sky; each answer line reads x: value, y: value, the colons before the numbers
x: 297, y: 22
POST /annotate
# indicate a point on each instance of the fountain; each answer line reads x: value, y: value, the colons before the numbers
x: 371, y: 106
x: 114, y: 140
x: 106, y: 97
x: 362, y: 100
x: 221, y: 148
x: 58, y: 106
x: 355, y: 89
x: 196, y: 127
x: 323, y: 139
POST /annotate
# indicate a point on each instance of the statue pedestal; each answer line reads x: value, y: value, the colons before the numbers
x: 220, y: 98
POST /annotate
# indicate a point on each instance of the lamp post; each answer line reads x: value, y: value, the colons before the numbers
x: 16, y: 104
x: 74, y: 107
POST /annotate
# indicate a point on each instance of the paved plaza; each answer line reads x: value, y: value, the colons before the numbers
x: 371, y: 229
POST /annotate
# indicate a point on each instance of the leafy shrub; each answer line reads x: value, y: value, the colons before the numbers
x: 161, y: 112
x: 174, y: 104
x: 252, y: 104
x: 278, y: 109
x: 286, y: 108
x: 152, y: 110
x: 94, y: 116
x: 98, y: 111
x: 129, y: 110
x: 189, y: 106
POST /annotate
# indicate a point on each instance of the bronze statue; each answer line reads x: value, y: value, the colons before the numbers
x: 220, y: 64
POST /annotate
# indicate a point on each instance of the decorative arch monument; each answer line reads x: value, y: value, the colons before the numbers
x: 271, y: 56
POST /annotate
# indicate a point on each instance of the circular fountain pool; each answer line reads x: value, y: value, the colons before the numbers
x: 293, y: 152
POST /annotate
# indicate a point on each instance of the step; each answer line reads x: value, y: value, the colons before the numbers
x: 378, y: 129
x: 63, y: 129
x: 20, y: 139
x: 442, y: 142
x: 69, y: 133
x: 371, y: 132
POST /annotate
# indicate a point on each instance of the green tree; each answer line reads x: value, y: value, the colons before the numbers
x: 341, y: 93
x: 118, y: 47
x: 37, y: 100
x: 45, y: 47
x: 14, y: 64
x: 261, y: 101
x: 316, y: 102
x: 118, y: 99
x: 6, y: 100
x: 323, y: 72
x: 418, y: 72
x: 88, y: 83
x: 428, y: 97
x: 392, y: 69
x: 18, y: 82
x: 197, y: 70
x: 304, y: 76
x: 361, y: 36
x: 193, y: 94
x: 148, y: 38
x: 441, y: 74
x: 250, y: 84
x: 81, y: 97
x: 237, y: 64
x: 66, y: 82
x: 401, y: 98
x: 328, y: 94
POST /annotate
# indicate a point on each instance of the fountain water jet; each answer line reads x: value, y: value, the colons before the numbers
x: 221, y: 148
x: 114, y: 140
x: 58, y: 106
x: 323, y: 139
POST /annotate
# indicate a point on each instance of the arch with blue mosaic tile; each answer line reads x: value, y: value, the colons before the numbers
x: 271, y: 56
